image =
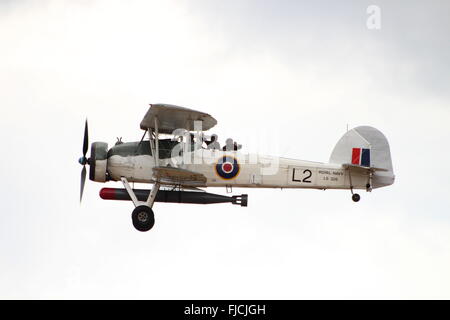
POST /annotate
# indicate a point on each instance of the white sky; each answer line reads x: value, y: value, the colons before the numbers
x: 298, y: 71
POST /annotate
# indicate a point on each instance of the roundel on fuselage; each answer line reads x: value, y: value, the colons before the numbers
x: 227, y: 167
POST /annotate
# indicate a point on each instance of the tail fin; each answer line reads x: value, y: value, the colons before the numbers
x: 366, y: 146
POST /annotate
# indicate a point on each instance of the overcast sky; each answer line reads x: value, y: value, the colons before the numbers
x: 291, y: 71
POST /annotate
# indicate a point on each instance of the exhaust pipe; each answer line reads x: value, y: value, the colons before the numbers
x: 174, y: 196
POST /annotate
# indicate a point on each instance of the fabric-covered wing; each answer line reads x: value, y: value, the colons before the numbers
x: 172, y: 117
x: 177, y: 176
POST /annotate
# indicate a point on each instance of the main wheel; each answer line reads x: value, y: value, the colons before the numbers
x: 143, y: 218
x: 356, y: 197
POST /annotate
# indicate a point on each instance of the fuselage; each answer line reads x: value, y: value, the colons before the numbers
x: 135, y: 162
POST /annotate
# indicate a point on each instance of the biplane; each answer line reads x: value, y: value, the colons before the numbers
x: 177, y: 159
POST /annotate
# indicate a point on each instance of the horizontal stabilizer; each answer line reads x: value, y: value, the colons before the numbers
x: 361, y: 169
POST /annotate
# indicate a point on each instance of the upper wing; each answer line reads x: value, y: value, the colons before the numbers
x: 172, y: 117
x: 177, y: 176
x: 361, y: 169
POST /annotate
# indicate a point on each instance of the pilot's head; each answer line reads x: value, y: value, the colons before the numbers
x: 213, y: 137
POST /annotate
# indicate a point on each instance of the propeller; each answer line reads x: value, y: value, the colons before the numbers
x: 83, y: 180
x: 83, y: 160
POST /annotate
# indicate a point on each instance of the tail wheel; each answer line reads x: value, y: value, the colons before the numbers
x: 143, y: 218
x: 356, y: 197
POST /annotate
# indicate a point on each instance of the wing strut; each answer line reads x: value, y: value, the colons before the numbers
x: 157, y: 141
x: 153, y: 135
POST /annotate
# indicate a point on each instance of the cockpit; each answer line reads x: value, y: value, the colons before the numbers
x: 143, y: 148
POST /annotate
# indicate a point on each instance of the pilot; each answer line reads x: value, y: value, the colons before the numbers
x: 237, y: 146
x: 205, y: 141
x: 229, y: 145
x: 213, y: 144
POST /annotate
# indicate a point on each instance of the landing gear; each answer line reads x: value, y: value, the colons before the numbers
x: 355, y: 197
x: 143, y: 218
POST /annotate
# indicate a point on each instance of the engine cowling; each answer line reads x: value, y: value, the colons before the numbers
x: 98, y: 161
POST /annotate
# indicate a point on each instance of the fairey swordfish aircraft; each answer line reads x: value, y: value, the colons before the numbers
x: 175, y: 160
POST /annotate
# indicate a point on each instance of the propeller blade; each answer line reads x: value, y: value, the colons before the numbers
x: 83, y: 180
x: 86, y: 139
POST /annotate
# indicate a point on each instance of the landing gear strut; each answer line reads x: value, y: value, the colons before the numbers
x: 355, y: 197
